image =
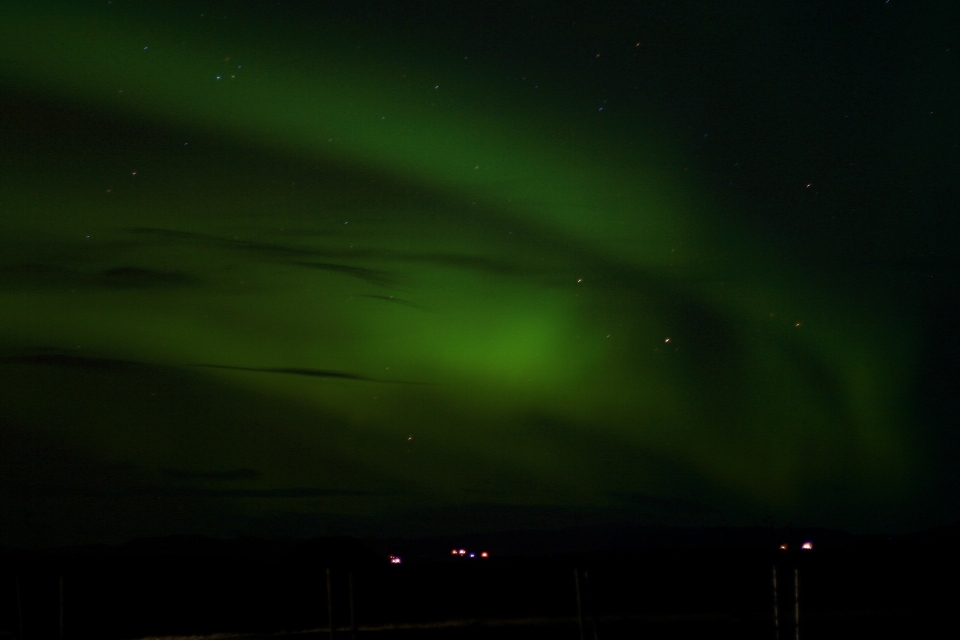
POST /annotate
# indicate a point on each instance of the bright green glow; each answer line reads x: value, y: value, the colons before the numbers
x: 366, y: 117
x: 549, y: 340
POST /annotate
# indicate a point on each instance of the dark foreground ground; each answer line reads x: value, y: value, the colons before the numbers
x: 848, y: 588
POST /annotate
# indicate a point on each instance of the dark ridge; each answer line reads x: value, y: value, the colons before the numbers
x: 662, y: 506
x: 79, y: 362
x: 44, y: 275
x: 137, y: 277
x: 212, y: 240
x: 112, y: 364
x: 480, y: 263
x: 282, y: 492
x: 258, y: 587
x: 184, y: 550
x: 232, y: 475
x: 364, y: 273
x: 313, y: 373
x: 612, y: 538
x: 618, y: 538
x: 316, y: 373
x: 390, y: 299
x: 37, y: 274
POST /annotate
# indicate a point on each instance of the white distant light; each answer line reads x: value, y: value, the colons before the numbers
x: 394, y: 559
x: 473, y: 555
x: 808, y: 546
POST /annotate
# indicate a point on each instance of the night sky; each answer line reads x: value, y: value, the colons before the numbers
x: 410, y: 268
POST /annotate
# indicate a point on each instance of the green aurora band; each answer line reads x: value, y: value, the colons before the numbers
x: 259, y: 276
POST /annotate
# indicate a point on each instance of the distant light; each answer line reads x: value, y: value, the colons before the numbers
x: 484, y: 554
x: 454, y: 552
x: 783, y: 547
x: 807, y: 545
x: 473, y: 555
x: 463, y: 552
x: 394, y: 559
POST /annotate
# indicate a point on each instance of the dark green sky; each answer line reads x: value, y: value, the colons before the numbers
x: 418, y: 267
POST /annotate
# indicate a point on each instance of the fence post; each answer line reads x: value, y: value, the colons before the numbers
x: 796, y: 604
x: 776, y: 607
x: 19, y: 607
x: 353, y: 617
x: 576, y: 581
x: 330, y: 604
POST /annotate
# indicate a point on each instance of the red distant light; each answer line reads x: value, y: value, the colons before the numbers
x: 454, y: 552
x: 484, y: 554
x: 783, y: 547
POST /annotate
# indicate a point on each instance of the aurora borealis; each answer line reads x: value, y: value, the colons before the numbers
x: 295, y: 269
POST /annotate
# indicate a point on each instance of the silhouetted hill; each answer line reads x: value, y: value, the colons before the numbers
x: 612, y: 538
x: 345, y: 551
x: 193, y: 551
x: 648, y: 576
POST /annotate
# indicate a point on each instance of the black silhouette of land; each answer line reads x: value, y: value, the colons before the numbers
x: 632, y: 581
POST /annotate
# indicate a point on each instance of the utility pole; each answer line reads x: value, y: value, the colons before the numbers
x: 591, y: 604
